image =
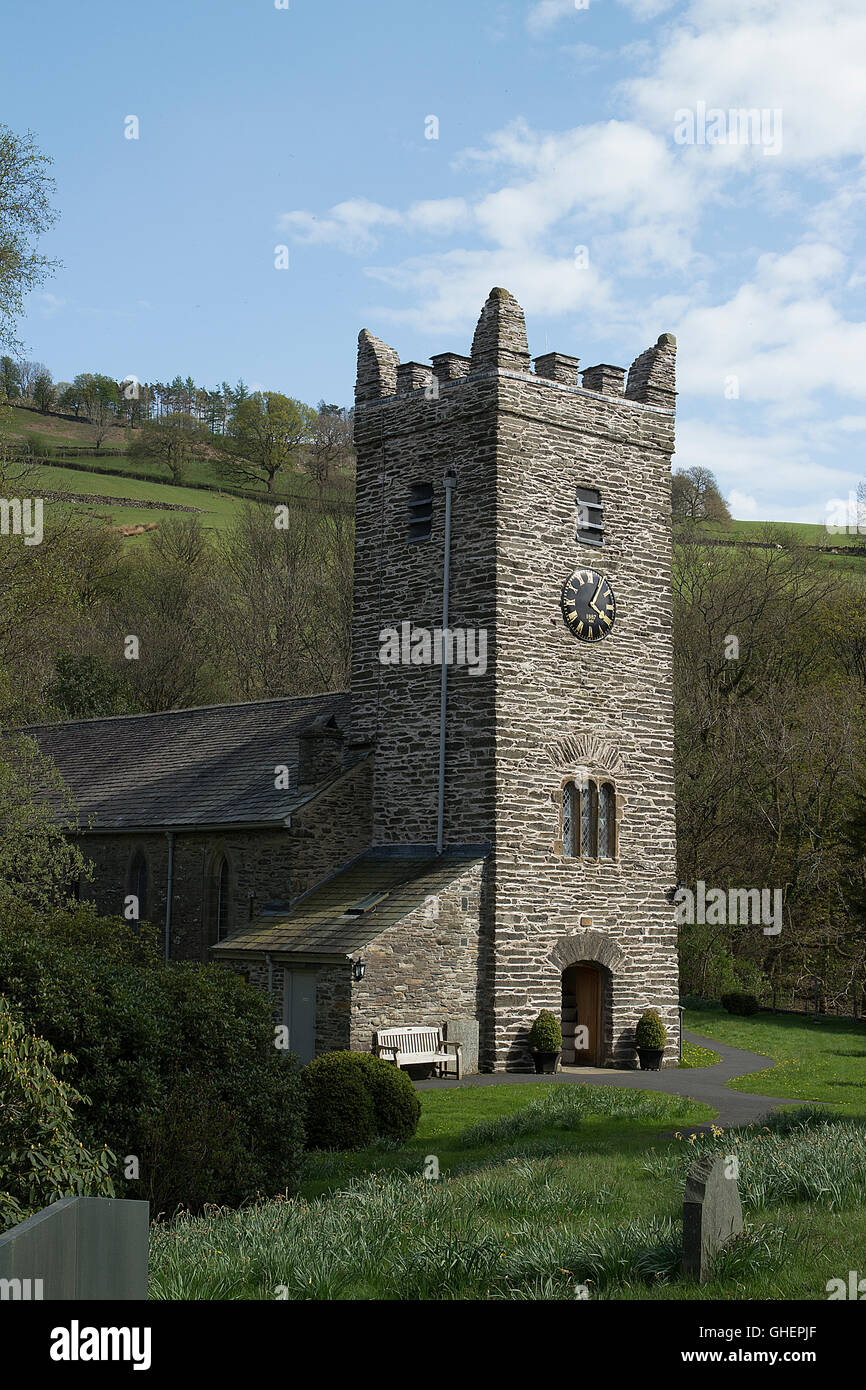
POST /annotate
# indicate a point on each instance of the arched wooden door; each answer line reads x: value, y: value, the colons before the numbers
x: 581, y: 1016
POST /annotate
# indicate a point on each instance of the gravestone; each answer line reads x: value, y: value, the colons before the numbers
x: 712, y: 1214
x: 79, y: 1248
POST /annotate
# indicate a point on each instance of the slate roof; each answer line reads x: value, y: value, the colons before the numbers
x: 191, y: 767
x: 349, y: 909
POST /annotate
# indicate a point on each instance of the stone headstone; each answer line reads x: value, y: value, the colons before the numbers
x: 464, y: 1031
x: 712, y: 1213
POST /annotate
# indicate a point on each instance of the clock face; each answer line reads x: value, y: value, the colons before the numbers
x: 588, y: 605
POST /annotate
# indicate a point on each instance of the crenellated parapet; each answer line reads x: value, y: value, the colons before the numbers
x: 377, y: 369
x: 652, y: 377
x: 500, y: 335
x: 500, y: 345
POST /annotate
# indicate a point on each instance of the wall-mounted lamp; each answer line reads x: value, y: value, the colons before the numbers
x: 359, y: 968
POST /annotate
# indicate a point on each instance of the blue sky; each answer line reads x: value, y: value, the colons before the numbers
x: 558, y: 128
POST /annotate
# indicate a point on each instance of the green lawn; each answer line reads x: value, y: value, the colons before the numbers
x: 821, y: 1059
x: 543, y: 1191
x: 695, y: 1056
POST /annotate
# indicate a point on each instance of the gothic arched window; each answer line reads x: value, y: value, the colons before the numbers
x: 137, y: 883
x: 220, y: 900
x: 606, y: 821
x: 588, y: 821
x: 570, y: 813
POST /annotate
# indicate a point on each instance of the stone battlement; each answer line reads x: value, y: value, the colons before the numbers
x: 500, y: 345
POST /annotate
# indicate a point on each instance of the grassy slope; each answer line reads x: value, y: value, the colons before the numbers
x: 821, y: 1059
x: 595, y: 1201
x: 59, y: 432
x: 215, y: 511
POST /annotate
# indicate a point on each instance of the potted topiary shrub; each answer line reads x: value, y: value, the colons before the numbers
x: 650, y: 1037
x: 545, y: 1040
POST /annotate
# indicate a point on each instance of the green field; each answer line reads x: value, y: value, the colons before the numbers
x: 59, y: 434
x: 215, y: 511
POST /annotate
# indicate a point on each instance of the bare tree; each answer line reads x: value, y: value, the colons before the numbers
x: 695, y: 496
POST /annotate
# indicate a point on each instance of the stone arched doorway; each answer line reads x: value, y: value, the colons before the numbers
x: 590, y: 964
x: 582, y: 1027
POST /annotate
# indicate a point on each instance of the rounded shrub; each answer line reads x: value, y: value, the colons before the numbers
x: 650, y: 1031
x: 352, y: 1098
x: 740, y: 1003
x: 395, y: 1100
x: 697, y: 1002
x: 545, y: 1035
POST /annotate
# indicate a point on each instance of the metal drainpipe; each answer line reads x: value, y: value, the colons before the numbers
x: 168, y: 894
x: 450, y: 484
x: 270, y: 974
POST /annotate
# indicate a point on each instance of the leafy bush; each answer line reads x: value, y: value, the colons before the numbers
x: 42, y: 1157
x: 176, y: 1060
x: 707, y: 967
x: 35, y: 446
x: 545, y: 1035
x: 353, y: 1097
x: 696, y: 1003
x: 739, y: 1003
x: 650, y: 1031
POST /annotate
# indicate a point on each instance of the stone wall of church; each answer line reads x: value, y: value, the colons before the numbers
x: 402, y: 441
x: 263, y: 864
x: 424, y: 969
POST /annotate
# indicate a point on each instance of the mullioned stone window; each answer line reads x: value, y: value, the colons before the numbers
x: 588, y: 816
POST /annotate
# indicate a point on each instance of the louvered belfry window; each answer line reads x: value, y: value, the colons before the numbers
x: 420, y: 519
x: 590, y: 523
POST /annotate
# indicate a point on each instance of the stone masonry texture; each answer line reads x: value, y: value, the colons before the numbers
x: 548, y: 707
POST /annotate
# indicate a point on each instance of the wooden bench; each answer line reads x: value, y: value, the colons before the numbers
x: 409, y: 1047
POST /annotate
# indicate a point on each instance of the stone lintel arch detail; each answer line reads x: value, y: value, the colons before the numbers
x: 576, y: 751
x: 588, y: 945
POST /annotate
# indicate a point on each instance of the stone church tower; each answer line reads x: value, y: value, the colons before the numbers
x: 533, y: 509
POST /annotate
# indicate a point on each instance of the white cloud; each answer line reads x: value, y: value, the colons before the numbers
x: 765, y: 468
x: 544, y: 14
x: 49, y: 304
x: 779, y: 334
x: 742, y: 506
x: 805, y: 59
x: 447, y: 291
x: 612, y: 182
x: 350, y: 226
x: 647, y: 9
x: 356, y: 226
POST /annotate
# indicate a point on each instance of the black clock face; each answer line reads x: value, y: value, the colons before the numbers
x: 588, y: 605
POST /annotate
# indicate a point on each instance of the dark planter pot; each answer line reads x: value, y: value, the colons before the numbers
x: 545, y: 1062
x: 650, y: 1058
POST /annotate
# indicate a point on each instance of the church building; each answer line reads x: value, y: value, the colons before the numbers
x: 483, y: 826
